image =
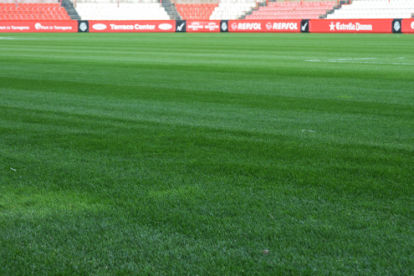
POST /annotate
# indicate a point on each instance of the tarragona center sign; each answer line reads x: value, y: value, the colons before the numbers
x: 209, y: 26
x: 131, y: 26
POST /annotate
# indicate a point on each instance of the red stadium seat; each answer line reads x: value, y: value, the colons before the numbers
x: 29, y: 11
x: 293, y: 10
x: 195, y: 11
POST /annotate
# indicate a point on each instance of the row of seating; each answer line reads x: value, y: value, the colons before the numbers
x: 117, y: 1
x: 33, y: 13
x: 370, y: 15
x: 28, y: 2
x: 356, y: 12
x: 375, y: 9
x: 142, y: 6
x: 122, y: 11
x: 211, y: 1
x: 276, y: 12
x: 293, y: 10
x: 205, y: 5
x: 7, y: 6
x: 389, y: 1
x: 314, y: 3
x: 31, y: 10
x: 282, y: 17
x: 232, y: 10
x: 226, y: 9
x: 275, y: 8
x: 33, y: 17
x: 369, y: 5
x: 195, y: 11
x: 26, y: 11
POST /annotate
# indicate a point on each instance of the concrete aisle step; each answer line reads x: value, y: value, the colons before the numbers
x: 71, y: 10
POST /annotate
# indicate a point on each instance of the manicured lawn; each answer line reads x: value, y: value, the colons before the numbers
x: 206, y: 154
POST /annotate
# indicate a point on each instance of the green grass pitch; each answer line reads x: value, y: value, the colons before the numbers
x: 206, y: 154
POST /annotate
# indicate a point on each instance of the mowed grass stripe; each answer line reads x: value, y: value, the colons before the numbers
x: 340, y: 81
x: 275, y: 102
x: 280, y: 157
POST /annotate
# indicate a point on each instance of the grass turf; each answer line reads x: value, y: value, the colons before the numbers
x: 179, y: 154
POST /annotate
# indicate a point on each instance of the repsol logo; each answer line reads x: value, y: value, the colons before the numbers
x: 246, y: 26
x: 282, y: 26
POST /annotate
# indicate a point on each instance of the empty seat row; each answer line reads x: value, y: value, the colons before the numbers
x: 22, y: 7
x: 195, y: 11
x: 231, y: 10
x: 117, y: 1
x: 121, y: 11
x: 293, y: 10
x: 33, y: 17
x: 260, y: 17
x: 357, y: 5
x: 371, y: 16
x: 382, y: 0
x: 381, y: 11
x: 375, y: 9
x: 105, y: 6
x: 313, y: 3
x: 33, y: 12
x: 25, y: 11
x: 238, y: 1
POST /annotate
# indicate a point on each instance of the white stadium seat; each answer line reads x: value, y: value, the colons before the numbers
x: 144, y: 10
x: 374, y: 9
x: 232, y: 9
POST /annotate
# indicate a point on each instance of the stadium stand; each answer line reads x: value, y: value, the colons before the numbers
x: 33, y: 11
x: 375, y: 9
x: 233, y: 9
x: 220, y: 9
x: 203, y: 10
x: 195, y: 11
x: 293, y: 10
x: 170, y: 9
x: 70, y: 9
x: 132, y: 10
